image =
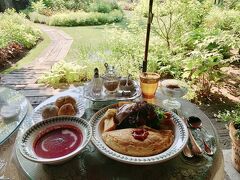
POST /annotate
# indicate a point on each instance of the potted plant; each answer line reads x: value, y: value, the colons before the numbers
x: 233, y: 119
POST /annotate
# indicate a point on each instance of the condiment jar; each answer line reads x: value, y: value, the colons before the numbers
x: 97, y: 84
x: 110, y: 79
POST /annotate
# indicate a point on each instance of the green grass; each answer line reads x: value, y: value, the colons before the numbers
x: 31, y: 55
x: 84, y: 37
x: 88, y: 37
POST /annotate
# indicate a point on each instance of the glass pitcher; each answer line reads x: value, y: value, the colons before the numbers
x: 110, y: 79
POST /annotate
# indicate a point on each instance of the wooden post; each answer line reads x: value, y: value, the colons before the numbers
x: 150, y: 17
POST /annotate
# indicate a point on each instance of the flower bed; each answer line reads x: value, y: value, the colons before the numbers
x: 79, y: 18
x: 16, y: 35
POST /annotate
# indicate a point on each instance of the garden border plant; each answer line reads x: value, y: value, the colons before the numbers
x: 17, y: 35
x: 233, y: 120
x: 63, y: 14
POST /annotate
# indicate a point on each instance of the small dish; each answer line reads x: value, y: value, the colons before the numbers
x: 38, y: 113
x: 120, y: 95
x: 40, y: 144
x: 180, y: 140
x: 123, y: 85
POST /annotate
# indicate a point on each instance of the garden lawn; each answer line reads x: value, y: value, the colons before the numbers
x: 31, y: 55
x: 87, y: 36
x: 85, y: 54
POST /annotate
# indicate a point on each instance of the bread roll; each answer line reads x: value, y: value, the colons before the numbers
x: 67, y: 109
x: 50, y: 111
x: 123, y: 142
x: 65, y: 100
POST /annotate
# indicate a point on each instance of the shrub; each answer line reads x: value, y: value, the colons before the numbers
x: 57, y: 5
x: 48, y: 3
x: 82, y: 18
x: 64, y: 72
x: 38, y: 18
x: 38, y: 6
x: 232, y: 4
x: 61, y: 12
x: 103, y: 6
x: 82, y: 70
x: 223, y: 19
x: 15, y: 27
x: 16, y: 34
x: 231, y: 116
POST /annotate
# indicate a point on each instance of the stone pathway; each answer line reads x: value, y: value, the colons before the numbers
x: 25, y: 79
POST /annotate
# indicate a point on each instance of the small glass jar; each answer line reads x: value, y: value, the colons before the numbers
x: 97, y: 84
x: 110, y: 79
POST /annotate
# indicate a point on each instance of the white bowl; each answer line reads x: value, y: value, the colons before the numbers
x: 30, y: 137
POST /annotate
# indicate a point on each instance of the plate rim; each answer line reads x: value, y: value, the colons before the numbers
x: 104, y: 149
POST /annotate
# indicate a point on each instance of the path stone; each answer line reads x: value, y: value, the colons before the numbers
x: 25, y: 79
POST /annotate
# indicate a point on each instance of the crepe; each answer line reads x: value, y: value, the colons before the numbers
x: 108, y: 120
x: 123, y: 142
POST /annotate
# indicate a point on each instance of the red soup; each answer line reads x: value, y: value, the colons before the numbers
x: 58, y: 141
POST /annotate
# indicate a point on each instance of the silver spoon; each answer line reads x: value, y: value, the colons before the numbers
x: 128, y: 78
x: 196, y: 123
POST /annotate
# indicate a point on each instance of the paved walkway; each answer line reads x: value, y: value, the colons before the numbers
x: 25, y: 79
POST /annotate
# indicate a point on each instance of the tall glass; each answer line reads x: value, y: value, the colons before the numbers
x: 149, y: 84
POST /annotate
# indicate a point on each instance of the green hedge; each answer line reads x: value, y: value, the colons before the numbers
x: 15, y: 27
x: 79, y: 18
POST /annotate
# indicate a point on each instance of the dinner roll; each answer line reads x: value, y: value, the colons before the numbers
x: 50, y: 111
x: 67, y: 109
x: 65, y: 100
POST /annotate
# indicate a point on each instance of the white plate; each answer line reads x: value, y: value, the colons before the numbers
x: 37, y: 115
x: 27, y: 140
x: 180, y: 140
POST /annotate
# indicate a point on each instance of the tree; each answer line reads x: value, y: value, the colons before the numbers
x: 16, y: 4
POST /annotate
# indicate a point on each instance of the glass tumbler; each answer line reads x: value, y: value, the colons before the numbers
x: 149, y: 84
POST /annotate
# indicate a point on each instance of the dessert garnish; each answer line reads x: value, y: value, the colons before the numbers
x: 140, y: 134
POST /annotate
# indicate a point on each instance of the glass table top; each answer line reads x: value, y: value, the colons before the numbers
x: 91, y: 164
x: 12, y: 100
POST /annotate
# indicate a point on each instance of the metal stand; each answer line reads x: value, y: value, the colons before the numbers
x: 150, y: 17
